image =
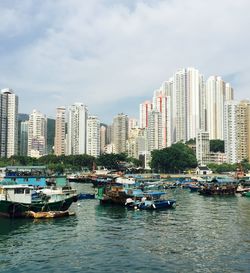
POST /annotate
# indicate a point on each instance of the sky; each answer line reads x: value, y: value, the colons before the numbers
x: 112, y: 54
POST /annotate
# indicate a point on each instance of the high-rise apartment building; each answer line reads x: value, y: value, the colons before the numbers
x: 154, y: 131
x: 93, y: 136
x: 181, y: 100
x: 162, y: 104
x: 132, y: 123
x: 77, y: 129
x: 217, y: 93
x: 137, y: 142
x: 60, y: 131
x: 243, y: 130
x: 120, y: 132
x: 145, y: 108
x: 230, y: 131
x: 8, y: 123
x: 37, y: 134
x: 188, y: 107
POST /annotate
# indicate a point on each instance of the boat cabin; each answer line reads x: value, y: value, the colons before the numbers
x: 15, y: 193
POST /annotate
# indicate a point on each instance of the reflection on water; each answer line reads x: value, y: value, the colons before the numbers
x: 201, y: 235
x: 9, y: 226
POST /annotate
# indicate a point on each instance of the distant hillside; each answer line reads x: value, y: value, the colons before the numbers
x: 23, y: 117
x: 50, y: 134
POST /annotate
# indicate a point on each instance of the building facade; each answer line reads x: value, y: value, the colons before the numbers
x: 93, y: 136
x: 202, y: 147
x: 8, y: 123
x: 230, y: 131
x: 154, y: 131
x: 217, y: 94
x: 137, y: 142
x: 162, y: 104
x: 120, y: 133
x: 77, y: 129
x: 60, y: 131
x: 37, y: 134
x: 145, y: 108
x: 243, y: 130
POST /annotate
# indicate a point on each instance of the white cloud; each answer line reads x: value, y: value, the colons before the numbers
x: 102, y: 51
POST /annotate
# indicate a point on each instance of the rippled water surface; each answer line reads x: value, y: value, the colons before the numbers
x: 203, y: 234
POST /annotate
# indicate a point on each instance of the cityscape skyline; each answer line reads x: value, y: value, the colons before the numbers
x: 185, y: 107
x: 111, y: 55
x: 151, y: 99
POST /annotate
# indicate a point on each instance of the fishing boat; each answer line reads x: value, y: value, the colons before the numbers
x: 17, y: 200
x: 194, y: 187
x: 219, y: 186
x: 118, y: 191
x: 151, y: 201
x: 99, y: 181
x: 79, y: 178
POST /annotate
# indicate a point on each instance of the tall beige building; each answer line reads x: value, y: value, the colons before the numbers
x: 217, y: 94
x: 137, y: 142
x: 93, y: 136
x: 37, y: 134
x: 8, y: 123
x: 202, y: 147
x: 60, y: 133
x: 237, y: 131
x: 120, y: 133
x: 132, y: 124
x: 243, y: 130
x: 154, y: 131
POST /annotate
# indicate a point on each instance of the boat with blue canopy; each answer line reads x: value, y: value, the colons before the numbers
x: 151, y: 201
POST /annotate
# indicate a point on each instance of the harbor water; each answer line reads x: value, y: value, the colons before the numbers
x: 202, y: 234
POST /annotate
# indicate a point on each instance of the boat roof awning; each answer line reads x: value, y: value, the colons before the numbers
x: 223, y: 180
x: 15, y: 186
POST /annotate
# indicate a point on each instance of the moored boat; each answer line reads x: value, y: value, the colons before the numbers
x: 219, y: 186
x: 17, y: 200
x: 151, y: 201
x: 117, y: 191
x: 194, y: 187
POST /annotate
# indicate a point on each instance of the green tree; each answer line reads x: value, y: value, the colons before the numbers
x: 217, y: 145
x: 176, y: 158
x: 109, y: 161
x: 222, y: 168
x: 191, y: 141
